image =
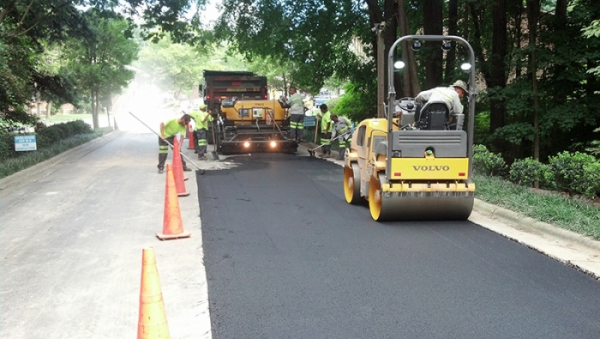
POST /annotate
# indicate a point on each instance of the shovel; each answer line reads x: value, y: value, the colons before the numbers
x: 199, y: 170
x: 214, y: 152
x: 316, y: 129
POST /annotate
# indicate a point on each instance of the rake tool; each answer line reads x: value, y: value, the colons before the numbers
x: 198, y: 170
x: 311, y: 152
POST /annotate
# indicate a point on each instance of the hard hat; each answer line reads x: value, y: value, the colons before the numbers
x: 461, y: 84
x: 202, y: 106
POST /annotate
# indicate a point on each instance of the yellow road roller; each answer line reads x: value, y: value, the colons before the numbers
x: 415, y: 164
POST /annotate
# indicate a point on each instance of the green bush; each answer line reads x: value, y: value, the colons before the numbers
x: 48, y: 136
x: 482, y: 127
x: 486, y: 162
x: 576, y: 173
x: 45, y: 137
x: 526, y: 171
x: 595, y: 145
x: 28, y: 159
x: 80, y: 127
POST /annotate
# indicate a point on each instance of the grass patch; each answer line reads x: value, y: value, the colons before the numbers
x: 29, y: 159
x: 553, y: 208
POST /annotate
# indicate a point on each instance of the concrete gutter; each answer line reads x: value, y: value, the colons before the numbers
x: 568, y: 247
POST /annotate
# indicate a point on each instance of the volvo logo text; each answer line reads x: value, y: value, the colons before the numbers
x: 431, y: 168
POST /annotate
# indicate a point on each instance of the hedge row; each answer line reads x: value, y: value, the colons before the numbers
x: 575, y: 173
x: 45, y: 137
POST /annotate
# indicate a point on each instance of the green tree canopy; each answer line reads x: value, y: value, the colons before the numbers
x: 28, y: 28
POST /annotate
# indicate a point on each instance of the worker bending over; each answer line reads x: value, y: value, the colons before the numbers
x: 450, y: 96
x: 168, y: 131
x: 342, y: 129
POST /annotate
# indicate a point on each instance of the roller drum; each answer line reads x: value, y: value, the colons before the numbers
x: 352, y: 184
x: 418, y: 205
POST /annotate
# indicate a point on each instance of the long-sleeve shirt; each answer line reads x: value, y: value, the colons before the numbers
x: 342, y: 126
x: 296, y: 104
x: 446, y: 95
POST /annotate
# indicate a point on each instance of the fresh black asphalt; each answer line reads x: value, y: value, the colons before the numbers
x: 287, y: 257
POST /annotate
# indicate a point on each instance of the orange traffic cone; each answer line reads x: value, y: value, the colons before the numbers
x: 152, y: 322
x: 180, y: 163
x: 172, y: 224
x: 191, y: 143
x: 178, y: 170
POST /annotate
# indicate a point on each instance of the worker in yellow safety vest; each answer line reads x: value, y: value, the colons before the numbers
x: 201, y: 118
x: 326, y: 130
x: 342, y: 130
x: 296, y: 114
x: 168, y: 132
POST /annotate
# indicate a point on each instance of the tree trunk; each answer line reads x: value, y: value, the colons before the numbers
x: 37, y: 103
x: 389, y: 37
x: 412, y: 87
x: 48, y: 109
x: 452, y: 30
x: 377, y: 16
x: 95, y: 120
x: 561, y: 13
x: 496, y: 70
x: 533, y: 11
x: 381, y: 56
x: 518, y: 34
x: 465, y: 20
x: 432, y: 25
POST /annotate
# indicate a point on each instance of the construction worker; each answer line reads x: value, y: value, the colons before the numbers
x: 168, y: 131
x: 342, y: 129
x: 326, y: 130
x: 296, y: 112
x: 201, y: 118
x: 449, y: 95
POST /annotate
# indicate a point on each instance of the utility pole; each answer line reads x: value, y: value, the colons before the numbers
x: 380, y: 69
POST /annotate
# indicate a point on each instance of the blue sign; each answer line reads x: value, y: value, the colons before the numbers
x: 25, y: 143
x: 310, y: 121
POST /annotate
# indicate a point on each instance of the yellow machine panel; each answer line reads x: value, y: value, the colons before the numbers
x: 249, y: 111
x: 253, y: 126
x: 430, y: 168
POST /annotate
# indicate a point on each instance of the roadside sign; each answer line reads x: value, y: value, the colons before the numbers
x: 25, y: 143
x: 310, y: 121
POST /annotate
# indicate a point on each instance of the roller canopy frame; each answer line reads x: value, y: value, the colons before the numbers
x: 471, y: 97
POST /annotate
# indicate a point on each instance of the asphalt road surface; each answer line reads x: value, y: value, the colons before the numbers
x: 286, y: 257
x: 275, y: 252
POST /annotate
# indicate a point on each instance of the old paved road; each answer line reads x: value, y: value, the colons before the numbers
x: 285, y: 257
